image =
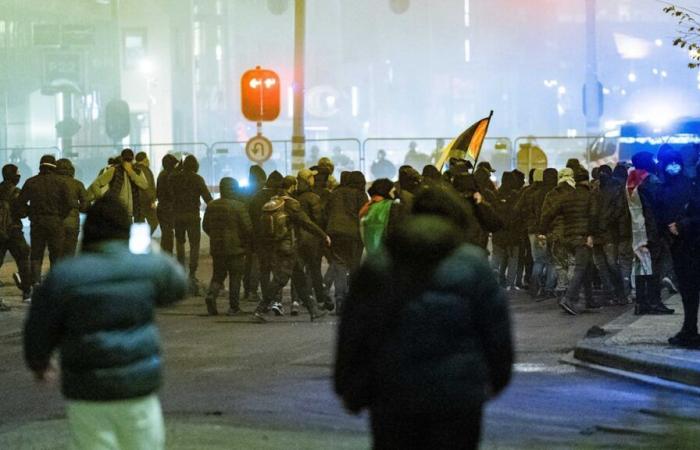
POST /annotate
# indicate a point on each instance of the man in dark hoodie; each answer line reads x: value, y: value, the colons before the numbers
x: 45, y: 198
x: 679, y: 214
x: 610, y: 205
x: 78, y: 204
x: 343, y: 227
x: 506, y: 240
x: 425, y: 339
x: 482, y: 215
x: 188, y: 187
x: 407, y: 187
x: 228, y: 225
x: 13, y: 239
x: 251, y: 278
x: 255, y: 209
x: 148, y: 196
x: 528, y: 209
x: 166, y: 203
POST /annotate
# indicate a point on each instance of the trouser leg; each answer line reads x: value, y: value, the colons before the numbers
x: 236, y: 264
x: 19, y: 250
x: 38, y: 237
x: 581, y: 260
x: 512, y: 269
x: 218, y: 277
x: 167, y: 234
x: 625, y: 258
x: 311, y: 258
x: 70, y: 242
x: 180, y: 238
x: 194, y: 233
x: 251, y: 279
x: 539, y: 259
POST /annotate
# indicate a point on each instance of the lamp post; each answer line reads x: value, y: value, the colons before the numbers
x: 298, y: 138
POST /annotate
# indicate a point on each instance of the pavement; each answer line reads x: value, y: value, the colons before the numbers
x: 638, y: 345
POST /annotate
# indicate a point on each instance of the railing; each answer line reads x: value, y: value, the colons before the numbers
x: 27, y: 158
x: 421, y: 151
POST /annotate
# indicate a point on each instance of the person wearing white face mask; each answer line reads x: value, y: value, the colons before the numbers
x: 677, y: 212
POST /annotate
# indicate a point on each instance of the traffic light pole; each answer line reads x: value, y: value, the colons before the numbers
x: 298, y: 138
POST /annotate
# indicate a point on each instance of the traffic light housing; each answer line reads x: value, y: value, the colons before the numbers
x: 117, y: 119
x: 260, y: 95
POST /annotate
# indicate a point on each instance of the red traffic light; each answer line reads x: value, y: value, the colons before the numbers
x: 260, y: 95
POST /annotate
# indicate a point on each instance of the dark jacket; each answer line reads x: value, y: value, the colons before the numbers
x: 165, y: 195
x: 509, y: 235
x: 484, y: 221
x: 610, y: 207
x: 433, y: 346
x: 9, y: 193
x: 311, y: 204
x: 188, y: 187
x: 256, y: 205
x: 343, y: 211
x: 78, y: 196
x: 98, y: 309
x: 44, y: 196
x: 552, y: 225
x: 300, y: 221
x: 649, y: 195
x: 529, y: 207
x: 575, y: 210
x: 149, y: 195
x: 228, y: 225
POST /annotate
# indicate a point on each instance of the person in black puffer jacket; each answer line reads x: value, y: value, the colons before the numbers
x: 425, y: 338
x: 98, y: 310
x: 228, y: 225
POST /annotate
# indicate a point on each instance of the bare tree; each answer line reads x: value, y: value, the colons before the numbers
x: 689, y: 32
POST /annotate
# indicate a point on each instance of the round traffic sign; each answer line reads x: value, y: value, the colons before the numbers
x: 258, y: 149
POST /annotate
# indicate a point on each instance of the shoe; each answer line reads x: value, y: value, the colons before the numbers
x: 684, y: 339
x: 27, y: 296
x: 277, y: 309
x: 211, y: 306
x: 258, y: 317
x: 194, y: 287
x: 661, y: 309
x: 567, y: 307
x: 318, y: 314
x: 668, y: 284
x: 18, y: 280
x: 295, y: 309
x: 593, y: 306
x: 329, y: 306
x: 233, y: 312
x: 4, y: 307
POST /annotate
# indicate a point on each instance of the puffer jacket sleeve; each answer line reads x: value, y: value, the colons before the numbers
x: 171, y: 282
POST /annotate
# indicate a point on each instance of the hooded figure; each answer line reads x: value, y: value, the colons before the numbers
x: 188, y: 188
x: 506, y: 241
x: 483, y: 219
x: 78, y: 202
x: 14, y: 240
x: 227, y: 223
x: 677, y: 210
x: 404, y: 349
x: 165, y: 210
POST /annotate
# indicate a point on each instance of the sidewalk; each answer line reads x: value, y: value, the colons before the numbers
x: 639, y: 345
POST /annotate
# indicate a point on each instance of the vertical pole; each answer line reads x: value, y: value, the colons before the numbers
x: 66, y: 141
x: 592, y: 95
x: 298, y: 138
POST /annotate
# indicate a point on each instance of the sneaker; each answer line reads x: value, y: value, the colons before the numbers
x: 660, y: 309
x: 5, y: 307
x: 320, y: 313
x: 258, y: 317
x: 211, y: 307
x: 278, y: 309
x: 18, y: 280
x: 233, y: 312
x: 567, y: 307
x: 668, y: 284
x: 295, y: 309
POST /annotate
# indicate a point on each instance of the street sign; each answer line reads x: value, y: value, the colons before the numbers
x: 258, y: 149
x: 66, y: 68
x: 82, y: 35
x: 260, y: 95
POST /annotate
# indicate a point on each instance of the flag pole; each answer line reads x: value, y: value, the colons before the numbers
x: 488, y: 124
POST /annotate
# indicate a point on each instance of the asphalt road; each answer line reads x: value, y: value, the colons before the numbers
x: 273, y: 380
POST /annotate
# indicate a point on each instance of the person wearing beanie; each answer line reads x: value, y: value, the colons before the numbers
x: 643, y: 187
x: 148, y: 196
x: 78, y: 202
x: 282, y: 221
x: 13, y: 236
x: 166, y: 202
x: 272, y: 188
x: 97, y: 310
x: 309, y: 247
x: 124, y: 181
x: 45, y: 199
x: 227, y: 223
x: 188, y: 188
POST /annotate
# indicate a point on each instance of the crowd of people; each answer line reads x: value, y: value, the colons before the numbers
x: 620, y: 232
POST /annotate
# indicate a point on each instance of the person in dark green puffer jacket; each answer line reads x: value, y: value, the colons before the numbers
x: 98, y: 310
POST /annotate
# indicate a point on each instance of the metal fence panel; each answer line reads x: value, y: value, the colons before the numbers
x: 421, y: 151
x: 229, y: 160
x: 346, y: 153
x: 27, y: 158
x: 558, y: 150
